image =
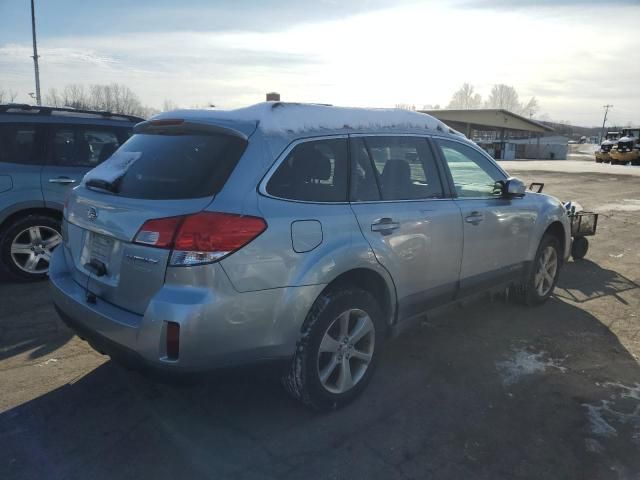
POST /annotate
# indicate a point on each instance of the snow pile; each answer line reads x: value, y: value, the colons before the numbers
x: 296, y: 117
x: 114, y: 167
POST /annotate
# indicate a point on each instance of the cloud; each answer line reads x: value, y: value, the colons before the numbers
x: 416, y: 54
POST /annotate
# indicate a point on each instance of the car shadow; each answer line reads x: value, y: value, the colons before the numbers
x: 493, y: 390
x: 28, y: 322
x: 584, y: 280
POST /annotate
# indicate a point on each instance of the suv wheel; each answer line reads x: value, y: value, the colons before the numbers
x: 544, y: 272
x: 337, y: 352
x: 27, y: 244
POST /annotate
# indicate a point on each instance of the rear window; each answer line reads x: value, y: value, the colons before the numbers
x: 19, y: 144
x: 314, y: 171
x: 170, y: 167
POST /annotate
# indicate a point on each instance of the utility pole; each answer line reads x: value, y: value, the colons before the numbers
x: 35, y: 54
x: 606, y: 111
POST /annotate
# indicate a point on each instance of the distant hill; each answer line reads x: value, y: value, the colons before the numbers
x: 575, y: 132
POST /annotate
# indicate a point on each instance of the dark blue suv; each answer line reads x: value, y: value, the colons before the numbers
x: 45, y: 151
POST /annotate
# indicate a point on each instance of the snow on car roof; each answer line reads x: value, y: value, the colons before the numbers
x: 282, y: 117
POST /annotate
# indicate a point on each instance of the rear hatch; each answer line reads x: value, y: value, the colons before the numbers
x: 122, y: 219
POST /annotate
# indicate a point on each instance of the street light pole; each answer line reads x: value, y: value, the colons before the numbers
x: 35, y: 54
x: 606, y: 110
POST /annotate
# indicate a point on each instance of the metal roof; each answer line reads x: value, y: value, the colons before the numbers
x: 490, y: 118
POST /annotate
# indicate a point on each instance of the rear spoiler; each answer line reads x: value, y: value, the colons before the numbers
x: 180, y: 126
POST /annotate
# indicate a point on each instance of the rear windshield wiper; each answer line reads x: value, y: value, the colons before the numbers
x: 102, y: 184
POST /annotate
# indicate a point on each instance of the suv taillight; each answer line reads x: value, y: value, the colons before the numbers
x: 202, y: 237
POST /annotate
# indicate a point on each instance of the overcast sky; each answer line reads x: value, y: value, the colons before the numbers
x: 574, y: 56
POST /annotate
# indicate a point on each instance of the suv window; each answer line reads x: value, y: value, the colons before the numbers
x: 171, y: 167
x: 19, y: 144
x: 473, y: 174
x: 83, y: 146
x: 314, y: 171
x: 364, y: 183
x: 404, y: 167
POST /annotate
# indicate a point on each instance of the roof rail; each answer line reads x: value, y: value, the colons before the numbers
x: 47, y: 110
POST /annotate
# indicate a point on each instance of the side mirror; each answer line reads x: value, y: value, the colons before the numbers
x: 513, y: 188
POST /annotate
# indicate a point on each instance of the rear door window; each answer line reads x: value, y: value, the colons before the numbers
x: 83, y: 146
x: 21, y: 144
x: 166, y: 166
x: 314, y: 171
x: 405, y: 167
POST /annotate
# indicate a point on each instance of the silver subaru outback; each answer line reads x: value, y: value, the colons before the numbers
x: 303, y: 233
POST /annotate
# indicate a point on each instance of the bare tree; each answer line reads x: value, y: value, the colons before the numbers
x: 504, y: 97
x: 531, y: 107
x: 431, y: 107
x: 507, y: 98
x: 7, y: 96
x: 116, y: 98
x: 465, y: 98
x: 168, y: 105
x: 405, y: 106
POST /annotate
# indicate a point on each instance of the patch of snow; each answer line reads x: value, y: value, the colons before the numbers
x: 620, y: 255
x: 48, y: 362
x: 627, y: 205
x: 599, y: 425
x: 114, y: 167
x: 524, y: 363
x: 602, y: 416
x: 297, y: 117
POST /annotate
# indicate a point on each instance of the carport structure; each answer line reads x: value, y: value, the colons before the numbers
x: 492, y: 127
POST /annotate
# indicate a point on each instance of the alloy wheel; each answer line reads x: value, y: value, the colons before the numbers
x: 31, y: 249
x: 346, y: 351
x: 546, y: 271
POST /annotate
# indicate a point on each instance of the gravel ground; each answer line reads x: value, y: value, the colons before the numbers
x: 490, y: 390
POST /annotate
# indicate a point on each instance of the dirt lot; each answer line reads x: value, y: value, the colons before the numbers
x: 491, y: 390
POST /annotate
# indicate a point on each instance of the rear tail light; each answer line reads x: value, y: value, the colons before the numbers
x: 202, y: 237
x: 158, y: 233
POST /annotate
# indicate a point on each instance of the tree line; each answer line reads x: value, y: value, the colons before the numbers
x: 115, y: 98
x: 501, y: 96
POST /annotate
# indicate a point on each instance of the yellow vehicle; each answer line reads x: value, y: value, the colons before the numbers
x: 604, y: 153
x: 628, y: 148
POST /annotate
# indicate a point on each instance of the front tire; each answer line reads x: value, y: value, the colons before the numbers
x: 337, y: 351
x: 27, y: 244
x: 543, y: 274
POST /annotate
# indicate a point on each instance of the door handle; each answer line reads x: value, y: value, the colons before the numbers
x: 64, y: 180
x: 384, y: 225
x: 474, y: 218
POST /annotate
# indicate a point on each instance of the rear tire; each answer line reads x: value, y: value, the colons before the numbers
x: 543, y: 273
x: 26, y: 246
x: 338, y: 350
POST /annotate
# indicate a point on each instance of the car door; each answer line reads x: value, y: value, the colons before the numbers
x: 73, y: 151
x: 21, y: 160
x: 496, y: 229
x: 403, y: 210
